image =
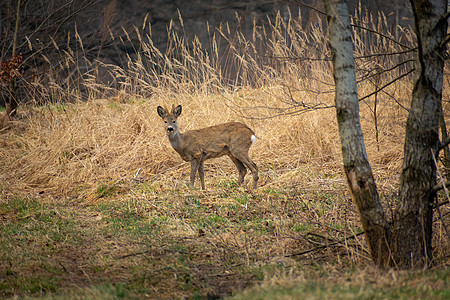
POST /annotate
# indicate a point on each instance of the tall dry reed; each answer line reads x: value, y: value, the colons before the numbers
x: 279, y: 81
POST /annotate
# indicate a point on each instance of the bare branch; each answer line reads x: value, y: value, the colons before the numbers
x: 16, y: 29
x: 446, y: 15
x: 445, y: 41
x: 301, y: 3
x: 388, y: 84
x: 382, y: 35
x: 386, y: 54
x: 278, y: 112
x: 340, y: 242
x: 43, y: 22
x: 440, y: 186
x: 444, y: 144
x: 441, y: 203
x: 385, y: 70
x: 49, y: 44
x: 446, y: 193
x: 297, y: 58
x: 74, y: 14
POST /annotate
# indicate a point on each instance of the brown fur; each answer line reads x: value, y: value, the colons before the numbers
x: 233, y: 139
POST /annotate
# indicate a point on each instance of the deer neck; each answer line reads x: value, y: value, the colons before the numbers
x: 176, y: 140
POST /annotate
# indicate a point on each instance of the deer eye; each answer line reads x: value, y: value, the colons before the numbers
x: 173, y: 122
x: 165, y: 122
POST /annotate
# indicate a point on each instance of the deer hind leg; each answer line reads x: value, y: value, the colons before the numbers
x: 241, y: 168
x: 245, y: 159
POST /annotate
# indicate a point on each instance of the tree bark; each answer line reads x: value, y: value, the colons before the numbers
x: 357, y: 169
x: 412, y: 229
x: 409, y: 243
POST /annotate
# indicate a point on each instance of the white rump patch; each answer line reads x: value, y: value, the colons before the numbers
x: 253, y: 138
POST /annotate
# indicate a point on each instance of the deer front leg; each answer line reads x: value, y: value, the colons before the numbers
x: 195, y: 164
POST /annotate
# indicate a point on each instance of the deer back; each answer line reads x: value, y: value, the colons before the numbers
x: 218, y: 140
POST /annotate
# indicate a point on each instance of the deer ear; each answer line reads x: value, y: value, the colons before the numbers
x: 161, y: 112
x: 177, y: 111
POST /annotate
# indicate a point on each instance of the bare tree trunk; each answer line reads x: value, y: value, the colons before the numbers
x: 358, y: 171
x: 409, y: 244
x: 412, y: 230
x: 12, y: 81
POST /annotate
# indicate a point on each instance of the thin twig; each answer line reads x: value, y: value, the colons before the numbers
x: 385, y: 54
x: 353, y: 236
x: 45, y: 21
x: 443, y: 144
x: 440, y: 204
x: 440, y: 186
x: 446, y: 193
x: 445, y: 41
x: 383, y: 70
x: 381, y: 34
x: 388, y: 84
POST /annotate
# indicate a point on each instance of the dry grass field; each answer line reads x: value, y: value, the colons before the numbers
x: 95, y: 203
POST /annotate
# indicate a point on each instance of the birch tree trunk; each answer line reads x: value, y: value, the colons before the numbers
x: 412, y: 229
x: 357, y: 169
x: 409, y: 243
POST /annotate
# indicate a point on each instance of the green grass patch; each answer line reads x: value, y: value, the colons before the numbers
x: 312, y: 290
x: 192, y: 245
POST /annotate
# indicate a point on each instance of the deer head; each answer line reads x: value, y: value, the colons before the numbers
x: 170, y: 119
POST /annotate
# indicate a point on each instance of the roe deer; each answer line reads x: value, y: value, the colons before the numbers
x: 233, y: 139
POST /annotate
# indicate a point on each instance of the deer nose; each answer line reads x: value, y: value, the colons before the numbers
x: 169, y: 129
